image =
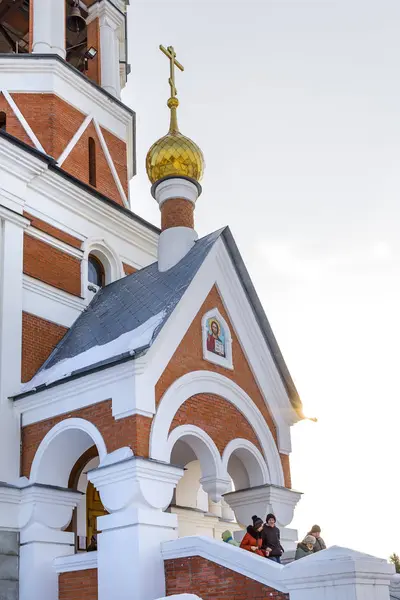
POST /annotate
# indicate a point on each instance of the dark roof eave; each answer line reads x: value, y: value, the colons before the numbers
x: 24, y: 146
x: 89, y: 370
x: 263, y: 322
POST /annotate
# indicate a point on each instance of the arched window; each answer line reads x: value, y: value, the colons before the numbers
x: 3, y: 121
x: 95, y: 271
x: 92, y: 162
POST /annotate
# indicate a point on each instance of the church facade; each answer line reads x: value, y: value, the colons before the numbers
x: 144, y: 400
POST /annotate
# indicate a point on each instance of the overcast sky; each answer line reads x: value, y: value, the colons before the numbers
x: 296, y: 106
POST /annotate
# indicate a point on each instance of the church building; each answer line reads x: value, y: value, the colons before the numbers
x: 144, y: 400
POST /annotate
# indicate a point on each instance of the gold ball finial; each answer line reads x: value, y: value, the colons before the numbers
x: 174, y: 155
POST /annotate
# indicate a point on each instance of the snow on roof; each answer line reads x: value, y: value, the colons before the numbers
x: 125, y: 343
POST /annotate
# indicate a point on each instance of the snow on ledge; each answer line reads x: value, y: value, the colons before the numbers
x: 255, y: 567
x: 127, y: 342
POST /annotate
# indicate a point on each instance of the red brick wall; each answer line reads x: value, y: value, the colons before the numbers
x: 212, y: 413
x: 93, y: 39
x: 189, y: 357
x: 53, y: 231
x: 54, y: 122
x: 13, y: 126
x: 39, y: 338
x: 78, y: 585
x: 77, y: 164
x: 51, y: 265
x: 131, y: 431
x: 128, y: 270
x: 195, y: 575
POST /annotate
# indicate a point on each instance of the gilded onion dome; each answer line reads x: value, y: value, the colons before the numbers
x: 174, y: 155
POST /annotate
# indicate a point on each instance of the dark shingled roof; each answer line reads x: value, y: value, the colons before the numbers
x: 127, y: 303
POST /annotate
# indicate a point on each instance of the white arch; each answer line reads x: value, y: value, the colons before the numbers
x: 207, y: 382
x: 61, y: 447
x: 113, y: 268
x: 202, y: 445
x: 252, y: 459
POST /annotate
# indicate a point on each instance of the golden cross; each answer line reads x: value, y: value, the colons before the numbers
x: 170, y: 53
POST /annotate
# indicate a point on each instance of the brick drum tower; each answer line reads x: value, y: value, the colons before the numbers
x: 143, y: 396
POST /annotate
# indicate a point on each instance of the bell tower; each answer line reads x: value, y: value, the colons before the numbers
x: 63, y: 64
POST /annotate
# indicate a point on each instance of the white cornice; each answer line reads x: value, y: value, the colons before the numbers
x: 56, y: 243
x: 107, y: 11
x: 75, y: 562
x: 63, y: 192
x: 48, y: 291
x: 12, y: 217
x: 22, y: 164
x: 49, y: 75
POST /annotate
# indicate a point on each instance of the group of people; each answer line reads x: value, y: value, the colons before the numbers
x: 264, y: 539
x: 311, y: 544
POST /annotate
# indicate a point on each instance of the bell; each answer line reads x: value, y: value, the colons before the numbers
x: 75, y: 21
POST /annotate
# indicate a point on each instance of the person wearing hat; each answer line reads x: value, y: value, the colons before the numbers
x: 319, y: 542
x: 252, y: 540
x: 272, y: 539
x: 228, y: 538
x: 306, y: 547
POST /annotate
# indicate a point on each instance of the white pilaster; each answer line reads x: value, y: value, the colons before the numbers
x: 338, y: 574
x: 11, y: 259
x: 49, y: 27
x: 111, y: 24
x: 134, y: 492
x: 44, y: 513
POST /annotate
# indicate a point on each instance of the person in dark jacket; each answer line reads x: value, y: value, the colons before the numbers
x: 252, y: 540
x: 319, y: 542
x: 272, y: 539
x: 306, y: 547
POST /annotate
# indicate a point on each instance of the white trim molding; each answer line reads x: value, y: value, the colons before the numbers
x: 49, y: 453
x: 110, y: 163
x: 221, y: 360
x: 208, y: 382
x: 27, y: 128
x: 267, y: 572
x: 49, y: 303
x: 252, y: 459
x: 74, y: 140
x: 75, y: 562
x: 218, y: 270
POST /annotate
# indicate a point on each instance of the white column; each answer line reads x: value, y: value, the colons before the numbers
x: 11, y: 262
x: 338, y: 574
x: 175, y: 242
x: 44, y: 513
x: 49, y: 27
x: 135, y: 492
x: 111, y: 21
x: 214, y: 508
x: 265, y: 499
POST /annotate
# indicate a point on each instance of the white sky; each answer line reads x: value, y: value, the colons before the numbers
x: 296, y: 106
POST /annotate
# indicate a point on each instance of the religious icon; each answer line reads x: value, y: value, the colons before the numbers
x: 215, y: 337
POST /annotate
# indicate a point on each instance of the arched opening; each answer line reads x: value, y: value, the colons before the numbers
x: 245, y: 464
x: 63, y: 459
x: 92, y: 162
x: 96, y: 274
x: 197, y: 513
x: 3, y: 121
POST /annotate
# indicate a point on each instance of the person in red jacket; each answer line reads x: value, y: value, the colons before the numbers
x: 252, y: 540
